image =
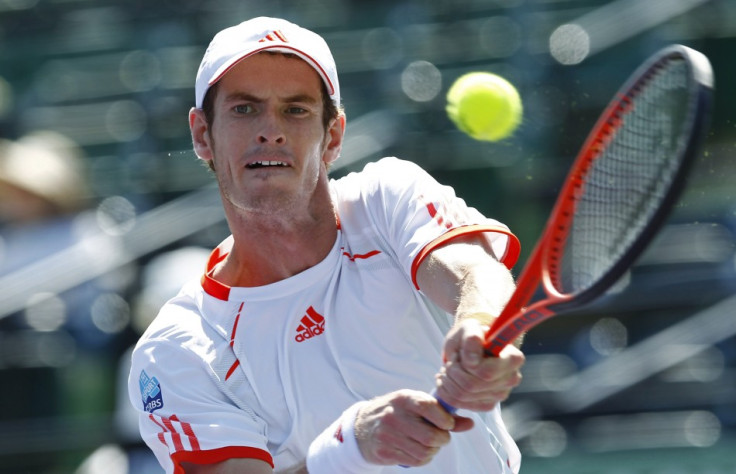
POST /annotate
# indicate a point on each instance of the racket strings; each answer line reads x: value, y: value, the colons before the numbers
x: 628, y: 177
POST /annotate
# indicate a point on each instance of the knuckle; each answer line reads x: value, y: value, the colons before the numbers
x: 489, y: 374
x: 441, y: 439
x: 386, y: 453
x: 449, y: 392
x: 434, y: 438
x: 404, y: 395
x: 401, y: 394
x: 427, y: 458
x: 383, y: 435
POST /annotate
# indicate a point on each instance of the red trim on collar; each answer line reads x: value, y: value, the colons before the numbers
x: 211, y: 286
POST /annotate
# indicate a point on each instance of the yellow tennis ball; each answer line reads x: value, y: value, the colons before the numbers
x: 484, y: 105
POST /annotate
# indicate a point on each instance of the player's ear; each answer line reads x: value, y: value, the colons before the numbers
x: 333, y: 139
x: 201, y: 139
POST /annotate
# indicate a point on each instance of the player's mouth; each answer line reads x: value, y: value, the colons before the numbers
x: 266, y: 164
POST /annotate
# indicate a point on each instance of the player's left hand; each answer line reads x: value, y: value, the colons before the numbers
x: 470, y: 379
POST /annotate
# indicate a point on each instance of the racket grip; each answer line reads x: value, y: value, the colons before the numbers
x: 450, y: 409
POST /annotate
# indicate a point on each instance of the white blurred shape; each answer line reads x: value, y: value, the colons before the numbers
x: 569, y: 44
x: 116, y: 215
x: 110, y: 313
x: 608, y: 336
x: 45, y: 312
x: 107, y: 459
x: 549, y: 439
x: 421, y: 81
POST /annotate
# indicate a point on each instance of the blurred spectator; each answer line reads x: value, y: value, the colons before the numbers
x: 42, y: 190
x: 41, y: 177
x: 43, y: 193
x: 46, y: 208
x: 42, y: 187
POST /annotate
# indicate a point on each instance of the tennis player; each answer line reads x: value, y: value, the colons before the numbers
x: 319, y: 327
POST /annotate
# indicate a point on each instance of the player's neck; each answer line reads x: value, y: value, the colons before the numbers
x: 268, y: 249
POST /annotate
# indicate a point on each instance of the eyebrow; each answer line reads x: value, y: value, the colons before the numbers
x: 306, y: 98
x: 242, y: 96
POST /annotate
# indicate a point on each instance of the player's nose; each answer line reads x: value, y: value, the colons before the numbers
x: 272, y: 129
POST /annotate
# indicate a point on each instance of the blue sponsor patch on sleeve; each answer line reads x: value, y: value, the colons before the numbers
x: 150, y: 392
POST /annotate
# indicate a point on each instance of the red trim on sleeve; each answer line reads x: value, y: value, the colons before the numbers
x: 509, y: 258
x: 214, y: 456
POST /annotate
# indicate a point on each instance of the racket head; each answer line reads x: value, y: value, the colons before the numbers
x: 627, y: 176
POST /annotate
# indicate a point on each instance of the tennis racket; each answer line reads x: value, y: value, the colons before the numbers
x: 628, y: 174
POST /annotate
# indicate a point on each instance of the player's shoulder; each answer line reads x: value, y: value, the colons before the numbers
x: 388, y: 174
x: 178, y: 326
x: 386, y: 168
x: 391, y: 163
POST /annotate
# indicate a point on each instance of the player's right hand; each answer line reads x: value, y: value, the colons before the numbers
x: 406, y: 427
x: 469, y: 379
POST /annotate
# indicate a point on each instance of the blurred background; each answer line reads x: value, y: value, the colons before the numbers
x: 105, y: 210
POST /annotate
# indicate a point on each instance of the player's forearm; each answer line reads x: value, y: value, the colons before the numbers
x: 465, y: 280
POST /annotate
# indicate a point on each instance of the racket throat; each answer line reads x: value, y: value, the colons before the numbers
x: 517, y: 326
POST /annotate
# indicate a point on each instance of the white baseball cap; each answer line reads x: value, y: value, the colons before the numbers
x: 236, y: 43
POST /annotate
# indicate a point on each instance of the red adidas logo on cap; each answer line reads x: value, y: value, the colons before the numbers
x: 275, y: 35
x: 312, y: 324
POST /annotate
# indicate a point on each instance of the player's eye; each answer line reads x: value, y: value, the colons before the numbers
x: 296, y: 110
x: 244, y: 109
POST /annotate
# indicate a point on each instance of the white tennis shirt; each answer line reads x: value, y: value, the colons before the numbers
x: 259, y: 372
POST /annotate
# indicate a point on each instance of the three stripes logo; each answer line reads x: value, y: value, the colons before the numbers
x: 275, y: 35
x: 312, y: 325
x: 176, y: 433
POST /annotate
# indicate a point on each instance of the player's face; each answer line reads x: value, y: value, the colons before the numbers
x: 268, y: 142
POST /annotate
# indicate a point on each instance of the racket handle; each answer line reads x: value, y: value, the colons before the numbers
x: 450, y: 409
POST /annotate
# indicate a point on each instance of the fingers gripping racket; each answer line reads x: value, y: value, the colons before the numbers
x: 622, y: 184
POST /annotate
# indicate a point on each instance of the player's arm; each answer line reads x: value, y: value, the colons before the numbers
x: 465, y: 279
